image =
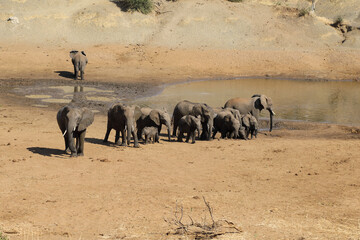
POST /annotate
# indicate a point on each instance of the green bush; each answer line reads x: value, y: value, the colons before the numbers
x: 338, y: 21
x: 303, y: 12
x: 143, y: 6
x: 2, y: 237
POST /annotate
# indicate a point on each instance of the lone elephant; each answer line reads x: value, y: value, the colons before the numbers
x: 123, y: 118
x: 79, y: 60
x: 73, y: 122
x: 252, y: 105
x: 207, y: 114
x: 153, y: 118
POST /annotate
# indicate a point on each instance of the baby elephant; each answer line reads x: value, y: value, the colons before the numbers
x: 254, y: 126
x: 79, y: 60
x: 251, y: 125
x: 189, y: 124
x: 151, y: 133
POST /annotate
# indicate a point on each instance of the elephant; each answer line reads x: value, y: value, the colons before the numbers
x: 73, y: 122
x: 251, y: 125
x: 123, y: 118
x: 79, y: 60
x: 226, y: 124
x: 153, y: 118
x: 207, y: 114
x: 237, y: 116
x: 254, y: 127
x: 189, y: 124
x: 254, y: 105
x: 151, y: 133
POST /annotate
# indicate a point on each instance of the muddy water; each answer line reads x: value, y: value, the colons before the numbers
x: 334, y: 102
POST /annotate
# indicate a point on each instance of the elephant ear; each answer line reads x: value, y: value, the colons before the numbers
x: 137, y: 113
x: 246, y: 120
x: 86, y: 120
x: 263, y: 101
x: 197, y: 110
x: 73, y: 53
x: 155, y: 117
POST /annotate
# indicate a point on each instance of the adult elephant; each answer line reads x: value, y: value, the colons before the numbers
x: 252, y: 105
x: 79, y: 60
x: 207, y: 114
x: 227, y: 125
x: 123, y: 118
x: 73, y: 122
x: 153, y: 118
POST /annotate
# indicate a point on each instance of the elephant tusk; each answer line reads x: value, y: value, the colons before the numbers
x: 272, y: 112
x: 74, y: 129
x: 65, y: 132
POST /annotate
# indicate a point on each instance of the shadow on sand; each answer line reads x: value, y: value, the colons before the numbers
x: 65, y: 74
x: 49, y: 152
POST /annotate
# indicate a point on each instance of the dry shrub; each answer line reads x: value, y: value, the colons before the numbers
x: 197, y: 230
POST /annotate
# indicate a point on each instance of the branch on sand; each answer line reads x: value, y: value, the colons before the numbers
x: 202, y: 230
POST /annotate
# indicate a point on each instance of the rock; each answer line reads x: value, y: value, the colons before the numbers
x: 13, y: 20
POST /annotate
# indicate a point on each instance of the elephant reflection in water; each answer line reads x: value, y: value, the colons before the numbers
x: 79, y: 95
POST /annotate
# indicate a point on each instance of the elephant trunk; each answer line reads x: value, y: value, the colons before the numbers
x: 210, y: 128
x: 271, y: 119
x: 70, y: 136
x: 129, y: 127
x: 169, y: 131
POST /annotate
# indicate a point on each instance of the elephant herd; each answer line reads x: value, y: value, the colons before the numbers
x: 237, y: 119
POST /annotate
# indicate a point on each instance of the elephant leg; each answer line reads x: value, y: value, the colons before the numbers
x: 136, y: 143
x: 146, y: 139
x: 139, y: 131
x: 82, y: 74
x: 66, y: 143
x: 223, y: 133
x: 175, y: 126
x: 188, y: 136
x: 159, y: 128
x: 71, y: 141
x: 107, y: 133
x: 77, y: 142
x: 123, y: 136
x: 76, y: 71
x: 117, y: 136
x: 193, y: 137
x: 180, y: 136
x: 81, y: 143
x: 157, y: 138
x: 214, y: 133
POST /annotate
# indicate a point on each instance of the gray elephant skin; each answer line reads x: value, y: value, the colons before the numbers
x: 207, y: 114
x: 79, y: 60
x: 153, y: 118
x: 252, y: 105
x: 151, y: 133
x: 189, y: 124
x: 73, y: 122
x: 123, y: 118
x: 227, y: 125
